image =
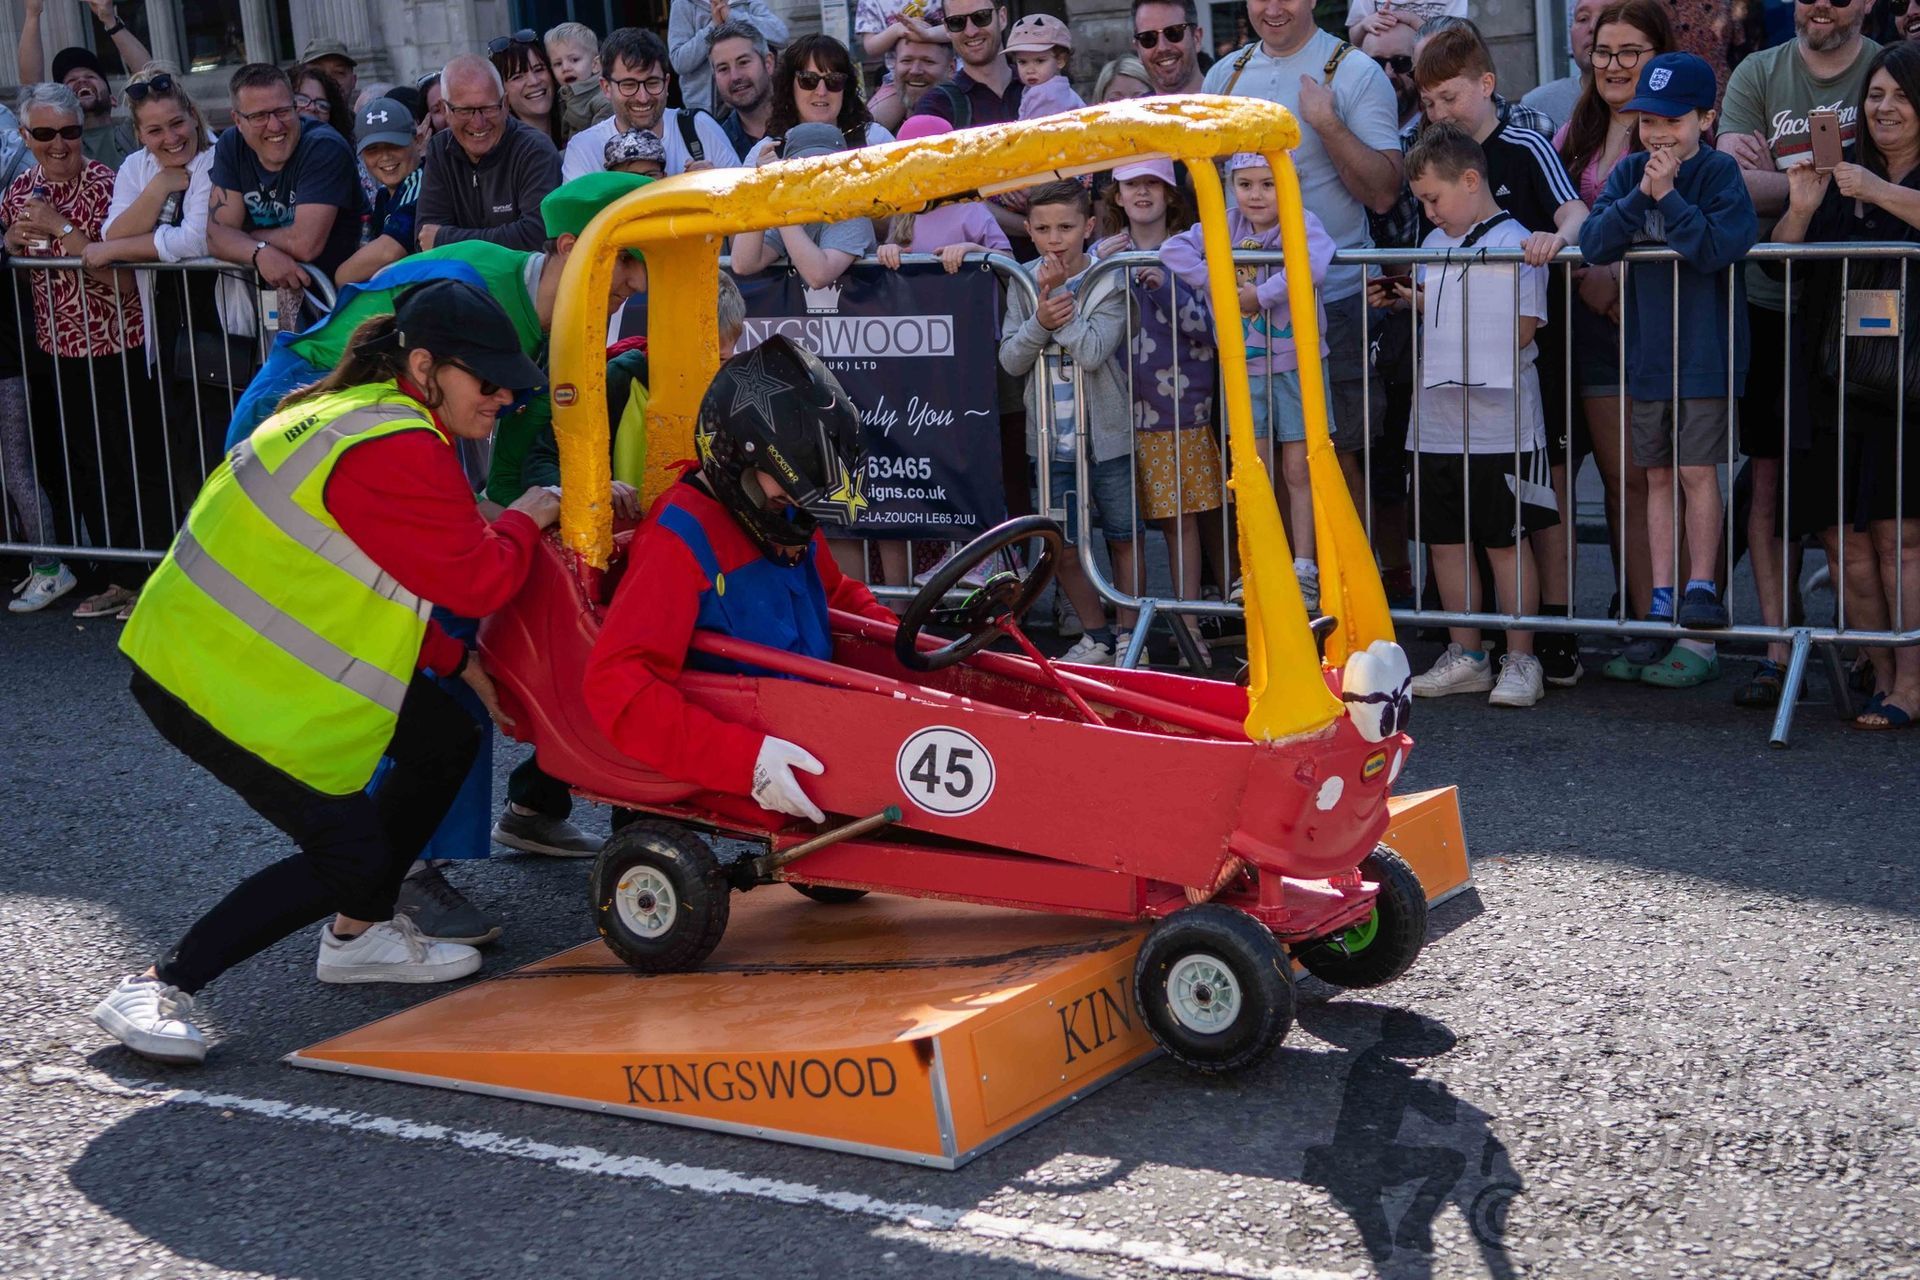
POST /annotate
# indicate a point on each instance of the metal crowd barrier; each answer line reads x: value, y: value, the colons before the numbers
x: 100, y: 456
x: 1799, y: 639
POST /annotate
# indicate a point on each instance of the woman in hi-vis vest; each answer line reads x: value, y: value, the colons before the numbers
x: 284, y: 646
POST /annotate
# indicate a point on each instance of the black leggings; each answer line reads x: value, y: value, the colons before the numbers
x: 353, y: 849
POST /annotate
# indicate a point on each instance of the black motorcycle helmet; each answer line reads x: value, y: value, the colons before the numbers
x: 776, y: 410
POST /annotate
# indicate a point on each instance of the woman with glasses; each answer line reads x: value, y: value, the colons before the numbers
x: 1595, y: 138
x: 159, y: 214
x: 814, y: 83
x: 104, y: 471
x: 319, y: 99
x: 522, y: 63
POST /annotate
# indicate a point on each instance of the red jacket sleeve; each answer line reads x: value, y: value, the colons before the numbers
x: 632, y: 677
x: 848, y: 594
x: 404, y: 501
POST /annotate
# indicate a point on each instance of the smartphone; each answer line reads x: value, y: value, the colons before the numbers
x: 1823, y: 127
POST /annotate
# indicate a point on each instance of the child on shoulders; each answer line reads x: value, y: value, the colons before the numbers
x: 1039, y: 46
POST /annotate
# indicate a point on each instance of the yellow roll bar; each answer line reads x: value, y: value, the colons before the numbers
x: 682, y: 225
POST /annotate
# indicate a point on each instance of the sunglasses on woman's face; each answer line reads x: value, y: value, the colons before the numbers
x: 500, y: 44
x: 1175, y: 34
x: 161, y: 84
x: 957, y: 22
x: 71, y: 132
x: 486, y: 388
x: 811, y: 80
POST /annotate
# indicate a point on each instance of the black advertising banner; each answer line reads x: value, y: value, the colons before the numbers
x: 917, y: 350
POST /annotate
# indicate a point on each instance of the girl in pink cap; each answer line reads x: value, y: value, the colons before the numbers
x: 1039, y: 46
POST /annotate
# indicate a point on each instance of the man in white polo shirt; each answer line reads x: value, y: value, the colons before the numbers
x: 636, y: 76
x: 1349, y: 161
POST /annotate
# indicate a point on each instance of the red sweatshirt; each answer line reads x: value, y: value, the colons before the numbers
x: 404, y: 500
x: 632, y: 678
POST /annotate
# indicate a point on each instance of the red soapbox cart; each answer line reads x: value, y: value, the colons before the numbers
x: 1000, y: 778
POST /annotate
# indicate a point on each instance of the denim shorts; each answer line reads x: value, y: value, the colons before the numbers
x: 1276, y: 400
x: 1112, y: 483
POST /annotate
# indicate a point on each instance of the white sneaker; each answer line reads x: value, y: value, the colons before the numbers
x: 1121, y: 639
x: 392, y: 951
x: 1522, y: 682
x: 1066, y: 622
x: 38, y: 590
x: 1239, y: 592
x: 152, y: 1019
x: 1454, y: 672
x: 1309, y: 575
x: 1089, y: 652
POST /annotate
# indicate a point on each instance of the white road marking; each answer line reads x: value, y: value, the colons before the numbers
x: 1166, y: 1256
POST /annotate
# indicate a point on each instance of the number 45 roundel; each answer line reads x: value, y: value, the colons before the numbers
x: 945, y: 771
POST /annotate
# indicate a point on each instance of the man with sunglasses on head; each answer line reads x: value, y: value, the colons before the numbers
x: 285, y: 189
x: 690, y: 23
x: 484, y: 178
x: 636, y: 75
x: 1166, y: 36
x: 106, y: 139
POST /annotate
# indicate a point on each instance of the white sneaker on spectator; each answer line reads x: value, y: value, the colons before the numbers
x: 1454, y: 672
x: 1066, y: 621
x: 152, y: 1019
x: 1239, y: 592
x: 1089, y: 652
x: 1522, y: 682
x: 1309, y: 575
x: 1121, y: 639
x: 392, y: 951
x: 41, y: 588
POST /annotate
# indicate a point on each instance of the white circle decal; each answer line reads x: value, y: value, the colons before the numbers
x: 945, y: 771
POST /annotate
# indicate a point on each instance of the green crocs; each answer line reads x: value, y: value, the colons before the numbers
x: 1681, y: 669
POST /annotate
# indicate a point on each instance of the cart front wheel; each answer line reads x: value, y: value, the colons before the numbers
x: 1385, y: 944
x: 659, y: 897
x: 828, y: 894
x: 1214, y: 988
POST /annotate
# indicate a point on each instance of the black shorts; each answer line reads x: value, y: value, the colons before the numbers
x: 1567, y: 439
x: 1475, y: 494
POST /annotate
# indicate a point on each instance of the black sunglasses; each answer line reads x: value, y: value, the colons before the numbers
x: 486, y: 388
x: 71, y: 132
x: 141, y: 90
x: 1401, y: 63
x: 957, y: 22
x: 810, y: 80
x: 1838, y: 4
x: 500, y: 44
x: 1175, y: 34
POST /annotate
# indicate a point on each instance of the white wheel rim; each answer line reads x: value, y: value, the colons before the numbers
x: 645, y: 903
x: 1203, y: 993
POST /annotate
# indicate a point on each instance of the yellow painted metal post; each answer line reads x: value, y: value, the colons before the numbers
x: 576, y: 350
x: 683, y: 350
x: 1350, y: 587
x: 1286, y: 693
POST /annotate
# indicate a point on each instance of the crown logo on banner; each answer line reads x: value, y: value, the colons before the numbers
x: 825, y: 300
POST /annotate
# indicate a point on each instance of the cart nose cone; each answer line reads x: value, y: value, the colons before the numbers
x: 1377, y: 688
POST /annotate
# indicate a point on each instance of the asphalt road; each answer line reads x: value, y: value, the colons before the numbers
x: 1671, y: 1034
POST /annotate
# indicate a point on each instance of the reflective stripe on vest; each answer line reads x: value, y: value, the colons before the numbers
x: 267, y: 620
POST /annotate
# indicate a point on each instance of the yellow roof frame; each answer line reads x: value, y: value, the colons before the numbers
x: 682, y: 225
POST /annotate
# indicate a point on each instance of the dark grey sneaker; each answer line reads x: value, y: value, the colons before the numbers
x: 537, y: 833
x: 1701, y: 610
x: 441, y: 912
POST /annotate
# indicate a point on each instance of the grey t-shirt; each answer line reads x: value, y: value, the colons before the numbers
x: 1554, y: 99
x: 1364, y: 101
x: 854, y: 236
x: 1772, y: 93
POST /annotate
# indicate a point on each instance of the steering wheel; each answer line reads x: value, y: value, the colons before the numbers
x: 1003, y: 593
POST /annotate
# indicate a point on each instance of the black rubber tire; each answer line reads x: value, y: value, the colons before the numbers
x: 702, y: 899
x: 1258, y: 965
x: 827, y: 894
x: 1402, y: 931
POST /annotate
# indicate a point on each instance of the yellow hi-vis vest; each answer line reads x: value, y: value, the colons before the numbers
x: 267, y: 620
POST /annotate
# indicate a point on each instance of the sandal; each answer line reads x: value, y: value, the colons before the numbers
x: 1681, y: 669
x: 1763, y: 689
x: 1880, y: 716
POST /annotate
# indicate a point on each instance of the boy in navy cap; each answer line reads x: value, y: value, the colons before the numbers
x: 1692, y: 199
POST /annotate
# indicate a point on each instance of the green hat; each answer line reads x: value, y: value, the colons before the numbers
x: 570, y: 206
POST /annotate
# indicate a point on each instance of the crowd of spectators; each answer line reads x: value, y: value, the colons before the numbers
x: 109, y: 392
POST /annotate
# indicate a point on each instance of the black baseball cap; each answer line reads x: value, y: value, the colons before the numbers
x: 458, y: 322
x: 75, y: 55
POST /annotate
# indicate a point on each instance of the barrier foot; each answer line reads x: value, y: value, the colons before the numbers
x: 1839, y: 688
x: 1137, y: 642
x: 1188, y: 646
x: 1790, y: 688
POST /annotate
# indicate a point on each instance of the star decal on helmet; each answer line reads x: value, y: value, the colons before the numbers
x: 703, y: 434
x: 754, y: 388
x: 846, y: 493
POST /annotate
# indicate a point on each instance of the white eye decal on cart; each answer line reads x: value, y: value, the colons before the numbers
x: 945, y: 771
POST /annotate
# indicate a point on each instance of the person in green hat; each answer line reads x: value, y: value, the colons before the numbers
x: 525, y: 284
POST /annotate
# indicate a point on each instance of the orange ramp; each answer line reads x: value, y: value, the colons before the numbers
x: 912, y: 1030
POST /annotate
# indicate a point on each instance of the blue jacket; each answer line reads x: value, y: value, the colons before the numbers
x: 1708, y: 219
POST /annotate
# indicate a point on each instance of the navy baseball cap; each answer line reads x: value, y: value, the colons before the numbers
x: 1673, y: 84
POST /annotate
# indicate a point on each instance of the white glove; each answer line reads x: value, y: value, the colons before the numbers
x: 775, y: 787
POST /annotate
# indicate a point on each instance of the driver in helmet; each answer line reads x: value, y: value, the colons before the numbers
x: 735, y: 547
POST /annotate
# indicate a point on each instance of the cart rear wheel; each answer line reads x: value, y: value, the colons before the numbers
x: 659, y: 897
x: 829, y: 895
x: 1385, y: 944
x: 1214, y: 988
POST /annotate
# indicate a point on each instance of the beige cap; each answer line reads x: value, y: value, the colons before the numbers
x: 1038, y: 33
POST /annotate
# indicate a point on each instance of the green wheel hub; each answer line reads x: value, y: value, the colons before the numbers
x: 1357, y: 938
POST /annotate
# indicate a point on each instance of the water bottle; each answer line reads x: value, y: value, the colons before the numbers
x: 170, y: 209
x: 40, y: 192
